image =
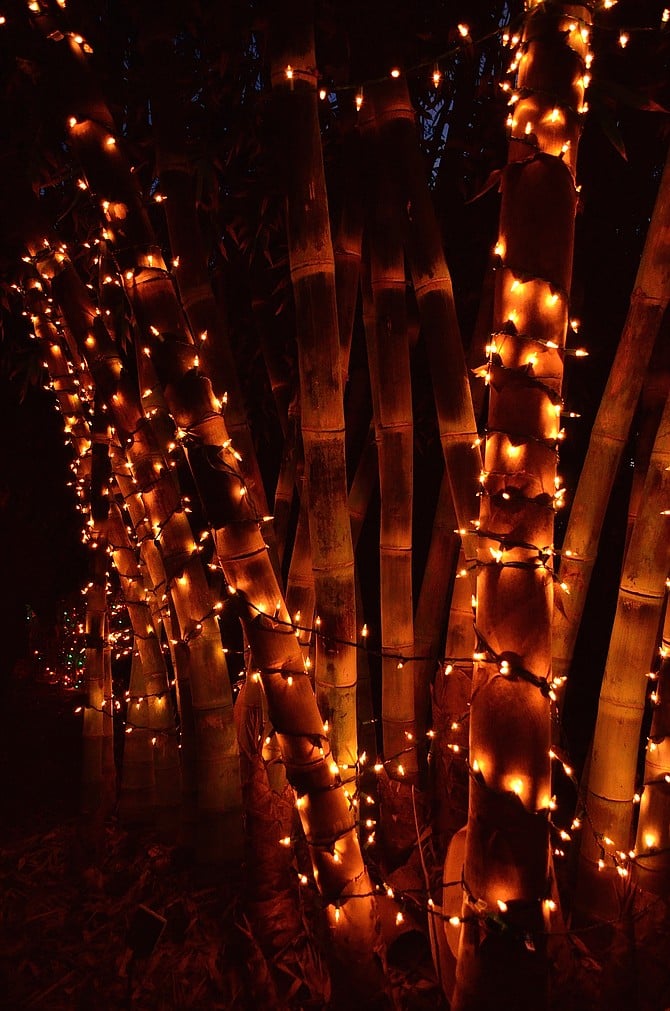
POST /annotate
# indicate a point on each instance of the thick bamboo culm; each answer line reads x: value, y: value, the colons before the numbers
x: 648, y: 303
x: 652, y: 870
x: 613, y: 767
x: 507, y: 846
x: 388, y: 361
x: 312, y: 269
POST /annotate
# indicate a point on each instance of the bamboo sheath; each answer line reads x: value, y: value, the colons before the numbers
x: 507, y: 845
x: 653, y: 828
x: 326, y: 814
x: 612, y: 772
x: 321, y: 403
x: 648, y: 303
x: 388, y: 360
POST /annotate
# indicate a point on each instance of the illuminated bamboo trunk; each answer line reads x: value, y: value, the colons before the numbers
x: 653, y: 827
x: 437, y: 312
x: 137, y: 792
x: 648, y: 303
x: 322, y: 414
x: 606, y: 838
x: 388, y: 359
x: 157, y: 714
x: 506, y: 871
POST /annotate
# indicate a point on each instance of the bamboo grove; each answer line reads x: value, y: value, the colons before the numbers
x: 330, y: 514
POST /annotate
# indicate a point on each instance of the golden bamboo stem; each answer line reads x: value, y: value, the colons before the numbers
x: 612, y: 773
x: 648, y: 303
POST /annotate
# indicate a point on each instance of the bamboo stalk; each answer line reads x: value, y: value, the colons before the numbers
x: 611, y: 786
x: 648, y: 303
x: 388, y: 360
x: 507, y: 845
x: 322, y: 415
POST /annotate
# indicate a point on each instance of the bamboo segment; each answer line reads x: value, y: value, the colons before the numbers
x: 507, y: 847
x: 653, y: 828
x: 388, y: 358
x: 611, y: 786
x: 648, y: 303
x: 313, y: 278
